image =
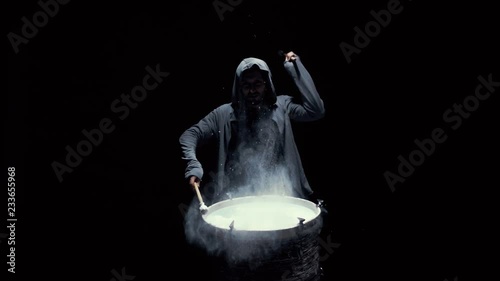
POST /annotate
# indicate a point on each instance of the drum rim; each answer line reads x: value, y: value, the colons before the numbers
x: 293, y: 200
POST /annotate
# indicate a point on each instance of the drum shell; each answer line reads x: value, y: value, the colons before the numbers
x: 269, y: 254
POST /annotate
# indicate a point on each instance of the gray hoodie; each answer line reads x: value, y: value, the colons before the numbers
x: 220, y: 122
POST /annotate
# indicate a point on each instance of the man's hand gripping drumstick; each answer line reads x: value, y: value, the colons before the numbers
x: 195, y: 183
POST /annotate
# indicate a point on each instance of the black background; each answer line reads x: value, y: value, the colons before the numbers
x: 121, y: 207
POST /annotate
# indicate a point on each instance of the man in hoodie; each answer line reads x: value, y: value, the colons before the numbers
x: 256, y: 150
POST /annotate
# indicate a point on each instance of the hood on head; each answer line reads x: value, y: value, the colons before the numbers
x: 246, y: 64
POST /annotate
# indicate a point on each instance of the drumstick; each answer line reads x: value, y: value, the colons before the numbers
x: 203, y: 207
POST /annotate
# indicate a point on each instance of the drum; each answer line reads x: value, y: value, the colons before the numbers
x: 266, y: 237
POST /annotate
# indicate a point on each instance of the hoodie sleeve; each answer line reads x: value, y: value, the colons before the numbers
x: 312, y: 107
x: 193, y: 137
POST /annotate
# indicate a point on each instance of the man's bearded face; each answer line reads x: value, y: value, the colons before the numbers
x: 253, y: 87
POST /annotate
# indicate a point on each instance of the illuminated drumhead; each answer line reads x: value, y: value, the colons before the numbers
x: 261, y: 213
